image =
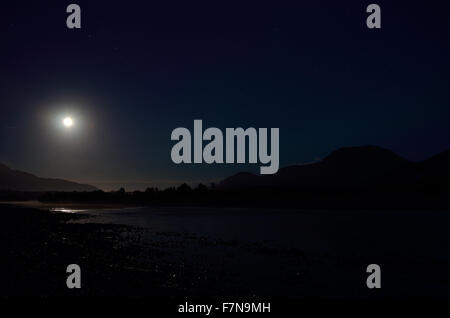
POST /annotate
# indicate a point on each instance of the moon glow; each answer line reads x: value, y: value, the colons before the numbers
x: 68, y: 122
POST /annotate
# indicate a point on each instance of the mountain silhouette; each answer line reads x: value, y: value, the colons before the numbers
x: 351, y: 168
x: 22, y: 181
x: 437, y: 165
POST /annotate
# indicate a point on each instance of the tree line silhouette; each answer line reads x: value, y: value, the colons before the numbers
x: 202, y: 195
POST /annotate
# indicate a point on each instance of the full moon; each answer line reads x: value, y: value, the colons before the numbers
x: 68, y: 122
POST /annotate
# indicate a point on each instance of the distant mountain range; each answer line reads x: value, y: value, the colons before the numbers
x: 352, y: 168
x: 21, y: 181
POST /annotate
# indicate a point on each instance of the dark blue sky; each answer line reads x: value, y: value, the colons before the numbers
x: 138, y: 69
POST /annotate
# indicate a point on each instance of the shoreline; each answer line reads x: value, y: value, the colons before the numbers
x: 136, y: 262
x: 48, y: 206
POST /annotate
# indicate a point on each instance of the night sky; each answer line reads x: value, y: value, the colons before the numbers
x: 139, y: 69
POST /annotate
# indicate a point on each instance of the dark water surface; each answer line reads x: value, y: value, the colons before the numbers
x: 300, y: 253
